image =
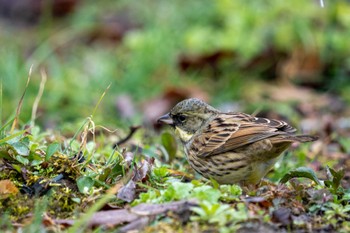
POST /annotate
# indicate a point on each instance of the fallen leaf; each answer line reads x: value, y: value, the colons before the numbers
x: 127, y: 192
x: 283, y: 216
x: 128, y: 158
x: 142, y: 171
x: 261, y: 201
x: 7, y: 188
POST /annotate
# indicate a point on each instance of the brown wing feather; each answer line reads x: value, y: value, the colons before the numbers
x: 215, y: 135
x: 233, y: 130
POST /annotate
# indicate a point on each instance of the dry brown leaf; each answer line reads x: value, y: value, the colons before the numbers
x: 141, y: 171
x: 7, y: 188
x: 127, y: 192
x: 282, y: 216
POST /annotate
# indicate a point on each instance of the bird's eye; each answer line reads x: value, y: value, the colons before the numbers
x: 181, y: 118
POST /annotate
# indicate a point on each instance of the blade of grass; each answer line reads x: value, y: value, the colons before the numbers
x: 256, y: 112
x: 76, y: 135
x: 99, y: 101
x: 88, y: 120
x: 6, y: 124
x: 101, y: 183
x: 18, y: 111
x: 90, y: 127
x: 38, y: 97
x: 12, y: 136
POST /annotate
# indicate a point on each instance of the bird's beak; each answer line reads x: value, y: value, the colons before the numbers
x: 166, y: 119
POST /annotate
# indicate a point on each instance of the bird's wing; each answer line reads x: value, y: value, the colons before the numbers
x: 230, y: 131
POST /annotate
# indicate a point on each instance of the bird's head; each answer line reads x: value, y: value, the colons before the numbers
x: 188, y: 116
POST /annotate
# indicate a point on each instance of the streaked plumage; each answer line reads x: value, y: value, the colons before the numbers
x: 230, y: 147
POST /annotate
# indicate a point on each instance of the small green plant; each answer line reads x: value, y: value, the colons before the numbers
x: 226, y: 217
x: 333, y: 179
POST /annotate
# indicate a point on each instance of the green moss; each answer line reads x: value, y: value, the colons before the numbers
x: 17, y: 206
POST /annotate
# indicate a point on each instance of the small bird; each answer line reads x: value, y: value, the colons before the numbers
x: 232, y: 147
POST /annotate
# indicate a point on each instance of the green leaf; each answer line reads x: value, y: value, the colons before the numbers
x: 21, y: 148
x: 230, y: 192
x: 328, y: 183
x: 5, y: 155
x: 160, y: 172
x: 17, y: 167
x: 22, y: 159
x: 214, y: 183
x: 36, y: 162
x: 34, y: 156
x: 169, y: 143
x: 76, y: 200
x: 51, y: 150
x: 152, y: 196
x: 334, y: 177
x: 178, y: 191
x: 85, y: 184
x: 301, y: 172
x: 118, y: 169
x: 346, y: 197
x: 206, y: 193
x: 105, y: 173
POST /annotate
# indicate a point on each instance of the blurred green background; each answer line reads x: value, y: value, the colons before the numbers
x: 227, y: 52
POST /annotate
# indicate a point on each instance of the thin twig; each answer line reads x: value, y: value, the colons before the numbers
x: 133, y: 130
